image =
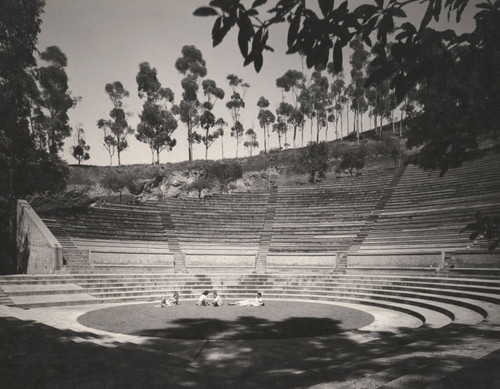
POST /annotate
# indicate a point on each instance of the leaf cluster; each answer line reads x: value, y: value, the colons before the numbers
x: 485, y: 227
x: 314, y: 160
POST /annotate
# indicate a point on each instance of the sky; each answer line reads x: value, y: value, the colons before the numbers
x: 105, y: 40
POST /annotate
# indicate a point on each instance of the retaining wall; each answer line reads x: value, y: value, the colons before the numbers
x: 38, y: 250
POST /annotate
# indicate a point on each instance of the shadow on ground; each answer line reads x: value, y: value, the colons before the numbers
x: 276, y: 320
x: 34, y: 355
x: 246, y: 328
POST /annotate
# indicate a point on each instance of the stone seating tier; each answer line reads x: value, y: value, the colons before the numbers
x: 435, y: 301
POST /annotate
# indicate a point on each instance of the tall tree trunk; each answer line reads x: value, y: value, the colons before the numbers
x: 279, y: 140
x: 341, y: 125
x: 190, y: 143
x: 265, y: 142
x: 302, y: 134
x: 294, y: 134
x: 222, y: 145
x: 317, y: 126
x: 401, y: 124
x: 357, y: 117
x: 393, y: 125
x: 347, y: 117
x: 157, y: 156
x: 206, y: 145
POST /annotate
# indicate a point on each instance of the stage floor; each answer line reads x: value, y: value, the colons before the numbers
x: 275, y: 320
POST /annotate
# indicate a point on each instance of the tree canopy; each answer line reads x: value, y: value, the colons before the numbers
x: 457, y: 75
x: 157, y: 120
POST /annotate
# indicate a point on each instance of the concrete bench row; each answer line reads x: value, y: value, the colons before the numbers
x: 433, y: 300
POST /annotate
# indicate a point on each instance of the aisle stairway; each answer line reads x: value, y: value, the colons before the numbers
x: 357, y: 242
x: 5, y: 299
x: 266, y: 235
x: 173, y: 241
x: 74, y: 260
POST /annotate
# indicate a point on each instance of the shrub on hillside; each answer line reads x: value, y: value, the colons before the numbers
x: 338, y: 149
x: 314, y: 160
x: 201, y: 183
x: 224, y: 172
x: 117, y: 181
x: 391, y: 148
x: 352, y: 160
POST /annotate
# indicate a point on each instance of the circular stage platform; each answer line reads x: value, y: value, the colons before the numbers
x: 275, y: 320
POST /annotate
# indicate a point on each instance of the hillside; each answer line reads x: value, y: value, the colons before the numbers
x: 157, y: 182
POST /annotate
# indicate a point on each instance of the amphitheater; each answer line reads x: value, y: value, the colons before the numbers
x: 385, y: 244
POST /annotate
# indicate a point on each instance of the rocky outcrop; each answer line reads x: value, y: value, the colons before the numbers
x: 179, y: 184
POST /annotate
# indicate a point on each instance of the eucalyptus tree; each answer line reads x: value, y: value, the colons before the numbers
x: 237, y: 131
x: 359, y: 62
x: 51, y: 119
x: 463, y: 70
x: 307, y: 111
x: 266, y: 118
x: 157, y: 120
x: 319, y: 98
x: 329, y: 118
x: 235, y: 104
x: 292, y: 81
x: 285, y: 113
x: 280, y: 128
x: 338, y: 97
x: 116, y: 128
x: 220, y: 123
x: 25, y: 167
x: 251, y: 141
x: 80, y: 151
x: 193, y: 67
x: 207, y: 118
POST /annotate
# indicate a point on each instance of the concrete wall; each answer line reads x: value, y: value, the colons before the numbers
x: 38, y: 251
x: 301, y: 260
x: 220, y: 260
x: 131, y: 258
x: 394, y: 260
x: 481, y: 260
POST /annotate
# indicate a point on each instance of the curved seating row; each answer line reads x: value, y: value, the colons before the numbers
x: 421, y: 221
x: 379, y: 221
x: 435, y: 301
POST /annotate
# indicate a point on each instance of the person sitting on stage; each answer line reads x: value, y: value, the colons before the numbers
x: 174, y: 299
x: 217, y: 300
x: 168, y: 302
x: 257, y: 302
x: 202, y: 301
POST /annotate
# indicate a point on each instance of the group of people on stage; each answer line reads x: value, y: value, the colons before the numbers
x: 216, y: 301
